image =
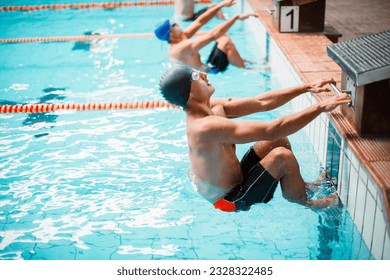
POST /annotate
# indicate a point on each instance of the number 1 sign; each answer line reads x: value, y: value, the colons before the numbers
x: 289, y: 18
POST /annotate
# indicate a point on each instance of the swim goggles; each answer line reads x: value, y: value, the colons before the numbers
x: 195, y: 75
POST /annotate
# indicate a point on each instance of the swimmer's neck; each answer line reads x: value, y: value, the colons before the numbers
x: 199, y: 109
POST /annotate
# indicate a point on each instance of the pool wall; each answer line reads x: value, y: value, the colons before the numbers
x: 361, y: 191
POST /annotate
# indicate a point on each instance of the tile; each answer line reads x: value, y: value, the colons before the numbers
x: 312, y: 100
x: 372, y: 188
x: 344, y: 186
x: 325, y: 118
x: 316, y: 136
x: 363, y: 174
x: 329, y: 154
x: 308, y: 100
x: 311, y: 132
x: 379, y: 235
x: 321, y: 136
x: 347, y: 151
x: 295, y: 104
x: 306, y: 129
x: 356, y: 244
x: 323, y: 142
x: 352, y: 192
x: 355, y: 161
x: 300, y: 101
x: 303, y: 101
x: 340, y: 178
x: 336, y: 159
x: 333, y: 153
x: 369, y: 218
x: 386, y: 250
x: 360, y: 205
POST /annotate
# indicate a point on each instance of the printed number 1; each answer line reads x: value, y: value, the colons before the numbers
x: 292, y: 18
x: 289, y: 19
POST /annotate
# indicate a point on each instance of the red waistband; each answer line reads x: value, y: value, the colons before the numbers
x: 225, y: 205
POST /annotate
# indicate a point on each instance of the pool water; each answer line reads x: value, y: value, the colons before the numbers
x: 114, y: 184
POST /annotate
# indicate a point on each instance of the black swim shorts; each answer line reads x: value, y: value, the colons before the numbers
x: 258, y: 186
x: 197, y: 14
x: 217, y: 61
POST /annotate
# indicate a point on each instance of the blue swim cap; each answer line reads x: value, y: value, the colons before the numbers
x: 175, y: 84
x: 162, y: 30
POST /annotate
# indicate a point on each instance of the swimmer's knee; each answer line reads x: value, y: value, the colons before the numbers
x: 284, y: 159
x: 223, y: 39
x: 278, y: 162
x: 282, y: 154
x: 272, y: 144
x: 224, y: 42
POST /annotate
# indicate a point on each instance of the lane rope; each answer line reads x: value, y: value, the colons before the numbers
x: 80, y: 38
x: 106, y: 5
x: 47, y: 108
x: 74, y: 38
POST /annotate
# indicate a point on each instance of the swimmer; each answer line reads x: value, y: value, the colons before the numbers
x: 185, y: 50
x: 184, y: 10
x: 225, y: 181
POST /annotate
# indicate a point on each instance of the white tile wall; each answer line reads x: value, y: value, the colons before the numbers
x: 360, y: 204
x: 324, y: 135
x: 386, y: 250
x: 340, y: 188
x: 354, y: 161
x: 356, y: 188
x: 352, y: 191
x: 372, y: 188
x: 379, y: 234
x: 345, y: 173
x: 317, y: 131
x: 363, y: 174
x: 369, y: 218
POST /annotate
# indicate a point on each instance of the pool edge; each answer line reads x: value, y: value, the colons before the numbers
x: 363, y: 185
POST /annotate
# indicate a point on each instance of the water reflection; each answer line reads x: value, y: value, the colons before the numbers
x: 87, y: 45
x: 329, y: 222
x: 44, y: 118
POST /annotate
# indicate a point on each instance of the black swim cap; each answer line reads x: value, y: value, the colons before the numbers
x: 175, y: 84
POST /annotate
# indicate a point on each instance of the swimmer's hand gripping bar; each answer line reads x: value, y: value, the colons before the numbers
x: 336, y: 90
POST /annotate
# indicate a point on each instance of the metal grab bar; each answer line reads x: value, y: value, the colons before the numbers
x: 336, y: 90
x: 270, y: 11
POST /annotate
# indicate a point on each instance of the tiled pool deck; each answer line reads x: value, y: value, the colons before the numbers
x: 363, y: 164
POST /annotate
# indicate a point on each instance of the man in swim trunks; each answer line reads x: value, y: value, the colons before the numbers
x: 226, y: 182
x: 183, y: 49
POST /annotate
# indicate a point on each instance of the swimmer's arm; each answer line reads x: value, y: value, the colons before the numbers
x: 219, y: 129
x: 206, y: 17
x: 223, y: 130
x: 273, y: 99
x: 188, y: 47
x: 224, y: 27
x: 191, y: 46
x: 197, y: 44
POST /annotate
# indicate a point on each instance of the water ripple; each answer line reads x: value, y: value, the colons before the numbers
x: 91, y: 173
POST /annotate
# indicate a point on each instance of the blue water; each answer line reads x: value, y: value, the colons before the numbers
x: 114, y: 184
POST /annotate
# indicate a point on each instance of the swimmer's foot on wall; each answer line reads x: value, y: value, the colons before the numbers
x: 314, y: 186
x: 326, y: 202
